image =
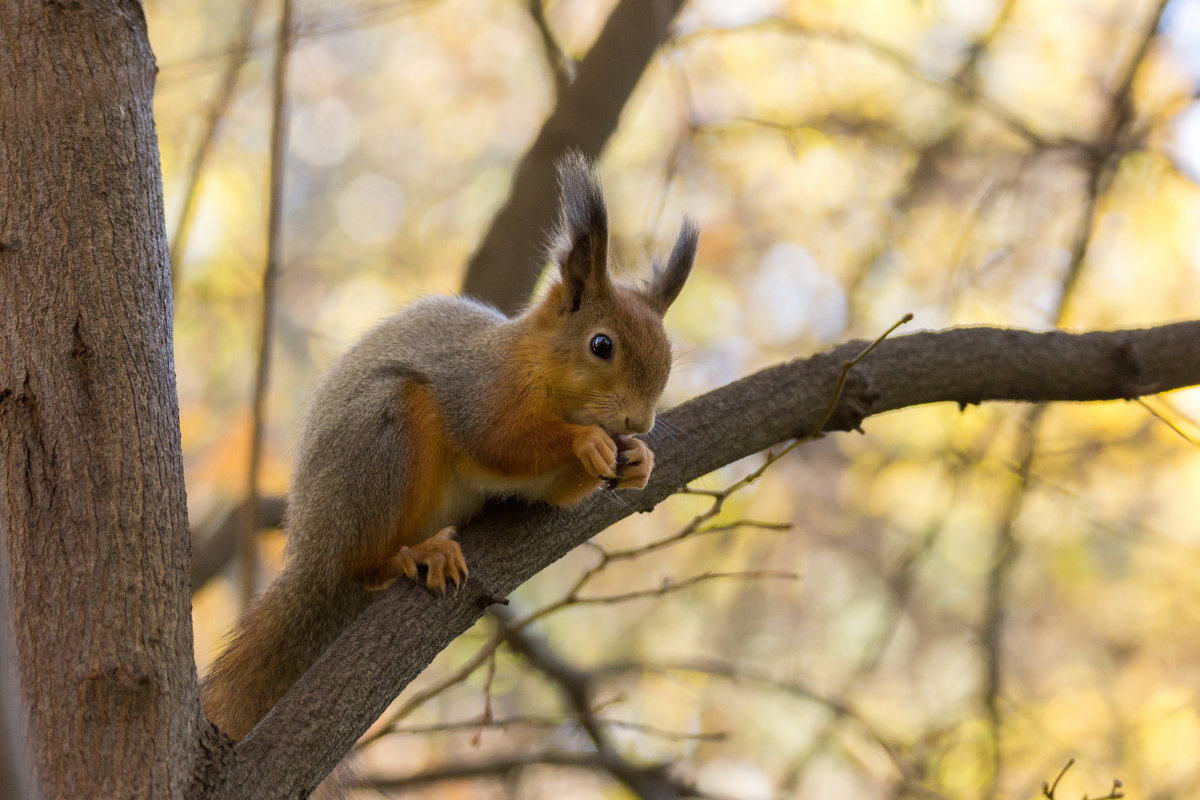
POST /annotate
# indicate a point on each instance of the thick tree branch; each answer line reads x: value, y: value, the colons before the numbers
x: 350, y: 686
x: 506, y: 264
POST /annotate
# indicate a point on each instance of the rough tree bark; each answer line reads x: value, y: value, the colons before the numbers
x: 93, y: 522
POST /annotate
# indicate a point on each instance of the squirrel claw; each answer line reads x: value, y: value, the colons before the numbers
x: 637, y: 462
x: 442, y: 558
x: 597, y: 452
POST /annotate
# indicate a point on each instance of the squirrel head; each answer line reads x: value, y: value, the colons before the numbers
x: 604, y: 353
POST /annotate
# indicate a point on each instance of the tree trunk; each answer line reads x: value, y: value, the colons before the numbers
x: 93, y: 522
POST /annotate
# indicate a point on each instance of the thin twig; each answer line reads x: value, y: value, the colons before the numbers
x: 743, y: 675
x: 1170, y: 424
x: 487, y: 717
x: 1049, y: 789
x: 669, y: 586
x: 841, y: 381
x: 419, y: 698
x: 1110, y: 147
x: 562, y: 66
x: 690, y: 532
x: 503, y: 766
x: 533, y: 721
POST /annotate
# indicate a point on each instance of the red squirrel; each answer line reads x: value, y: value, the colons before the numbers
x: 439, y: 408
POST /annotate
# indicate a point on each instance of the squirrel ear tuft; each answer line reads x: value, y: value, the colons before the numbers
x: 668, y: 281
x: 580, y: 243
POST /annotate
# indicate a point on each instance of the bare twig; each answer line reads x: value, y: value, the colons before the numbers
x: 465, y: 671
x: 1169, y: 423
x: 487, y: 717
x: 500, y: 767
x: 691, y: 530
x: 214, y: 543
x: 562, y: 66
x: 316, y: 26
x: 1049, y: 789
x: 846, y: 367
x: 740, y: 674
x: 960, y: 84
x: 1006, y: 549
x: 1110, y: 146
x: 533, y: 721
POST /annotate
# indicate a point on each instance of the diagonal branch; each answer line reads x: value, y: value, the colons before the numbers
x: 508, y: 260
x: 396, y: 638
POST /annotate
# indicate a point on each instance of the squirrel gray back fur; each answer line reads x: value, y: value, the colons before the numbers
x: 354, y: 446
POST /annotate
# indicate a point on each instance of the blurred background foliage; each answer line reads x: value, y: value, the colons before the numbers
x: 980, y: 595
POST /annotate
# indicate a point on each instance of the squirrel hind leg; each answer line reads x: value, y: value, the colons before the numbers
x: 439, y: 554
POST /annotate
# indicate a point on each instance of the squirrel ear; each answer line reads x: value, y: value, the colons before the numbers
x: 580, y: 244
x: 668, y: 281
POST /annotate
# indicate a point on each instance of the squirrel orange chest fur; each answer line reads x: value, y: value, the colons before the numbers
x: 524, y: 451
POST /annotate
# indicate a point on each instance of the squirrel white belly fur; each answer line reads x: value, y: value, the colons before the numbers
x: 437, y: 409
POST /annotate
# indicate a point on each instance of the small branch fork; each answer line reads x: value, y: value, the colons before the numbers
x: 1049, y: 789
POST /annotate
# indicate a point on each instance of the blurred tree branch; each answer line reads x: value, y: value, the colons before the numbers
x: 576, y: 686
x: 509, y: 257
x: 1112, y: 143
x: 212, y: 549
x: 499, y: 767
x: 239, y: 51
x: 393, y: 641
x: 561, y: 65
x: 276, y: 172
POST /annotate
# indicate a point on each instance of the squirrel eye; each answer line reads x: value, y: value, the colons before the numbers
x: 602, y: 346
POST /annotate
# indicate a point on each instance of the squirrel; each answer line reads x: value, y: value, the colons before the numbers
x: 435, y: 410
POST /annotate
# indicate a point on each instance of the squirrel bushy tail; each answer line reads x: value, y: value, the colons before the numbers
x: 277, y: 639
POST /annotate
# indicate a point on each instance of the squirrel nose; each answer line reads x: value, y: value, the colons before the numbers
x: 639, y: 424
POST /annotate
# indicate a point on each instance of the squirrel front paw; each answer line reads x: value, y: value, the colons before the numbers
x: 441, y: 556
x: 636, y: 462
x: 597, y: 452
